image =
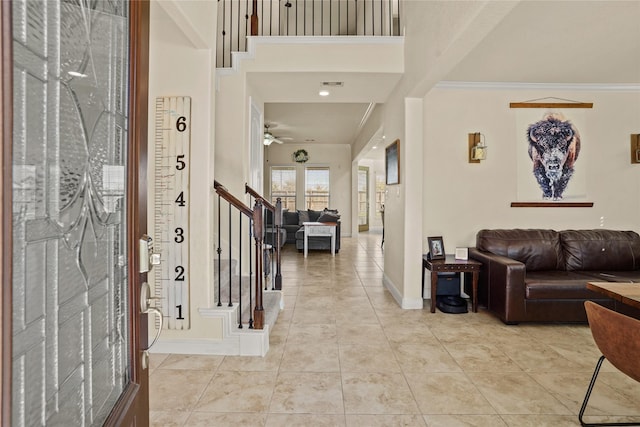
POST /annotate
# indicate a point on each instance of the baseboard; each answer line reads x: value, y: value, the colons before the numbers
x: 405, y: 303
x: 234, y: 342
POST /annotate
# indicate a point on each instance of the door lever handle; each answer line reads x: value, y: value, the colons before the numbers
x: 146, y: 308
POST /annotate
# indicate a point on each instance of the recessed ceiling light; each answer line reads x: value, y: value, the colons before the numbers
x: 323, y: 92
x: 374, y: 147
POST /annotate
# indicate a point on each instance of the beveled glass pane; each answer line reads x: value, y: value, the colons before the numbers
x: 70, y: 319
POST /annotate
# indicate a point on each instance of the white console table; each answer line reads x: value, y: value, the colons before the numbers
x: 320, y: 229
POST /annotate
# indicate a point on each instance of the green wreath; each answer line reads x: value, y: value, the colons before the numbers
x: 300, y: 156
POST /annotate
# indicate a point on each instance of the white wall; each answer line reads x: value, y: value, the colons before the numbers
x: 336, y: 156
x: 394, y: 221
x: 464, y: 198
x: 459, y: 198
x: 444, y: 33
x: 180, y: 65
x: 450, y: 30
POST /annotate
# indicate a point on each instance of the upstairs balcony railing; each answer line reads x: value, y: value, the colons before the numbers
x: 238, y: 19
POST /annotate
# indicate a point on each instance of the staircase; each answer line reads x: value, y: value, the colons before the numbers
x: 248, y: 302
x: 272, y: 301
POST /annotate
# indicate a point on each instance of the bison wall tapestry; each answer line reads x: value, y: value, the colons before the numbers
x: 551, y: 151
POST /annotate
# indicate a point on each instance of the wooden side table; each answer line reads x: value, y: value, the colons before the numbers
x: 450, y: 264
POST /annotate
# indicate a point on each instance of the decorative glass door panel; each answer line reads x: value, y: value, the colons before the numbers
x: 71, y: 348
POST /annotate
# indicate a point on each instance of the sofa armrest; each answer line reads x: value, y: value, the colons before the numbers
x: 502, y: 285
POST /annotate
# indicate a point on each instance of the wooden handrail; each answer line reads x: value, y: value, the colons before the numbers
x: 224, y: 193
x: 256, y: 195
x: 256, y: 215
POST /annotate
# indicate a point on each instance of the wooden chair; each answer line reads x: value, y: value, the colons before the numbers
x: 618, y: 338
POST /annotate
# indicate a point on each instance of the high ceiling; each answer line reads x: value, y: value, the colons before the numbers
x: 559, y: 42
x: 584, y: 42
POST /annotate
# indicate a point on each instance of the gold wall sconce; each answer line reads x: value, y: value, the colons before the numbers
x: 477, y: 148
x: 635, y: 148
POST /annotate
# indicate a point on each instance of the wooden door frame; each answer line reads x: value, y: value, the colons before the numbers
x: 133, y: 405
x: 6, y: 126
x: 134, y: 400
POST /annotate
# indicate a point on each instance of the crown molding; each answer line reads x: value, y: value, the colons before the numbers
x: 587, y: 87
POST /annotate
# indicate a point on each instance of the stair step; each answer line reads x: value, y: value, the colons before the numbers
x: 225, y: 264
x: 235, y: 296
x: 271, y: 300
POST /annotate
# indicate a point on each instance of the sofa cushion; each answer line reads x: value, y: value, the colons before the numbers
x: 537, y: 249
x: 268, y: 217
x: 628, y: 276
x: 289, y: 218
x: 291, y: 232
x: 558, y: 285
x: 590, y: 250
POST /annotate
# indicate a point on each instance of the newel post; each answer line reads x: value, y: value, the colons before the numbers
x: 277, y: 219
x: 258, y: 230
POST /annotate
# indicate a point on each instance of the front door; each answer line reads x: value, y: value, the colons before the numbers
x: 75, y: 179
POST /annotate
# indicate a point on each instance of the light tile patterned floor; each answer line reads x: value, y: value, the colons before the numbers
x: 343, y: 353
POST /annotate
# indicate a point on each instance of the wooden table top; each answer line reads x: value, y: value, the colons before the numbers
x: 450, y: 261
x: 627, y: 293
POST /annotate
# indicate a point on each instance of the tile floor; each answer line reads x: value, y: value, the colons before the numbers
x: 343, y: 353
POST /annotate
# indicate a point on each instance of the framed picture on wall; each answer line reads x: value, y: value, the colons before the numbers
x: 392, y: 163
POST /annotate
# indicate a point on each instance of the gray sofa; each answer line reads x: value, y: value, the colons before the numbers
x: 292, y: 231
x: 290, y: 223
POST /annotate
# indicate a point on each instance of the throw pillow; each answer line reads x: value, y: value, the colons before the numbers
x: 314, y: 215
x: 334, y: 211
x: 329, y: 217
x: 303, y: 216
x: 289, y: 218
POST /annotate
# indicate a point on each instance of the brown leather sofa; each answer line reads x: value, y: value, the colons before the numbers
x: 540, y: 275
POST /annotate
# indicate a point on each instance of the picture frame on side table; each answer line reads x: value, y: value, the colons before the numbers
x: 392, y: 163
x: 436, y: 247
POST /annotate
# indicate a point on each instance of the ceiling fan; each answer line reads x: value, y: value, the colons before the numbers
x: 269, y: 138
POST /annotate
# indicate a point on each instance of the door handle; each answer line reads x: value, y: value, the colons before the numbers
x: 146, y: 308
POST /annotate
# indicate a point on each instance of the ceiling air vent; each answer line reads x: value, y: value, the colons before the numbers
x: 333, y: 84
